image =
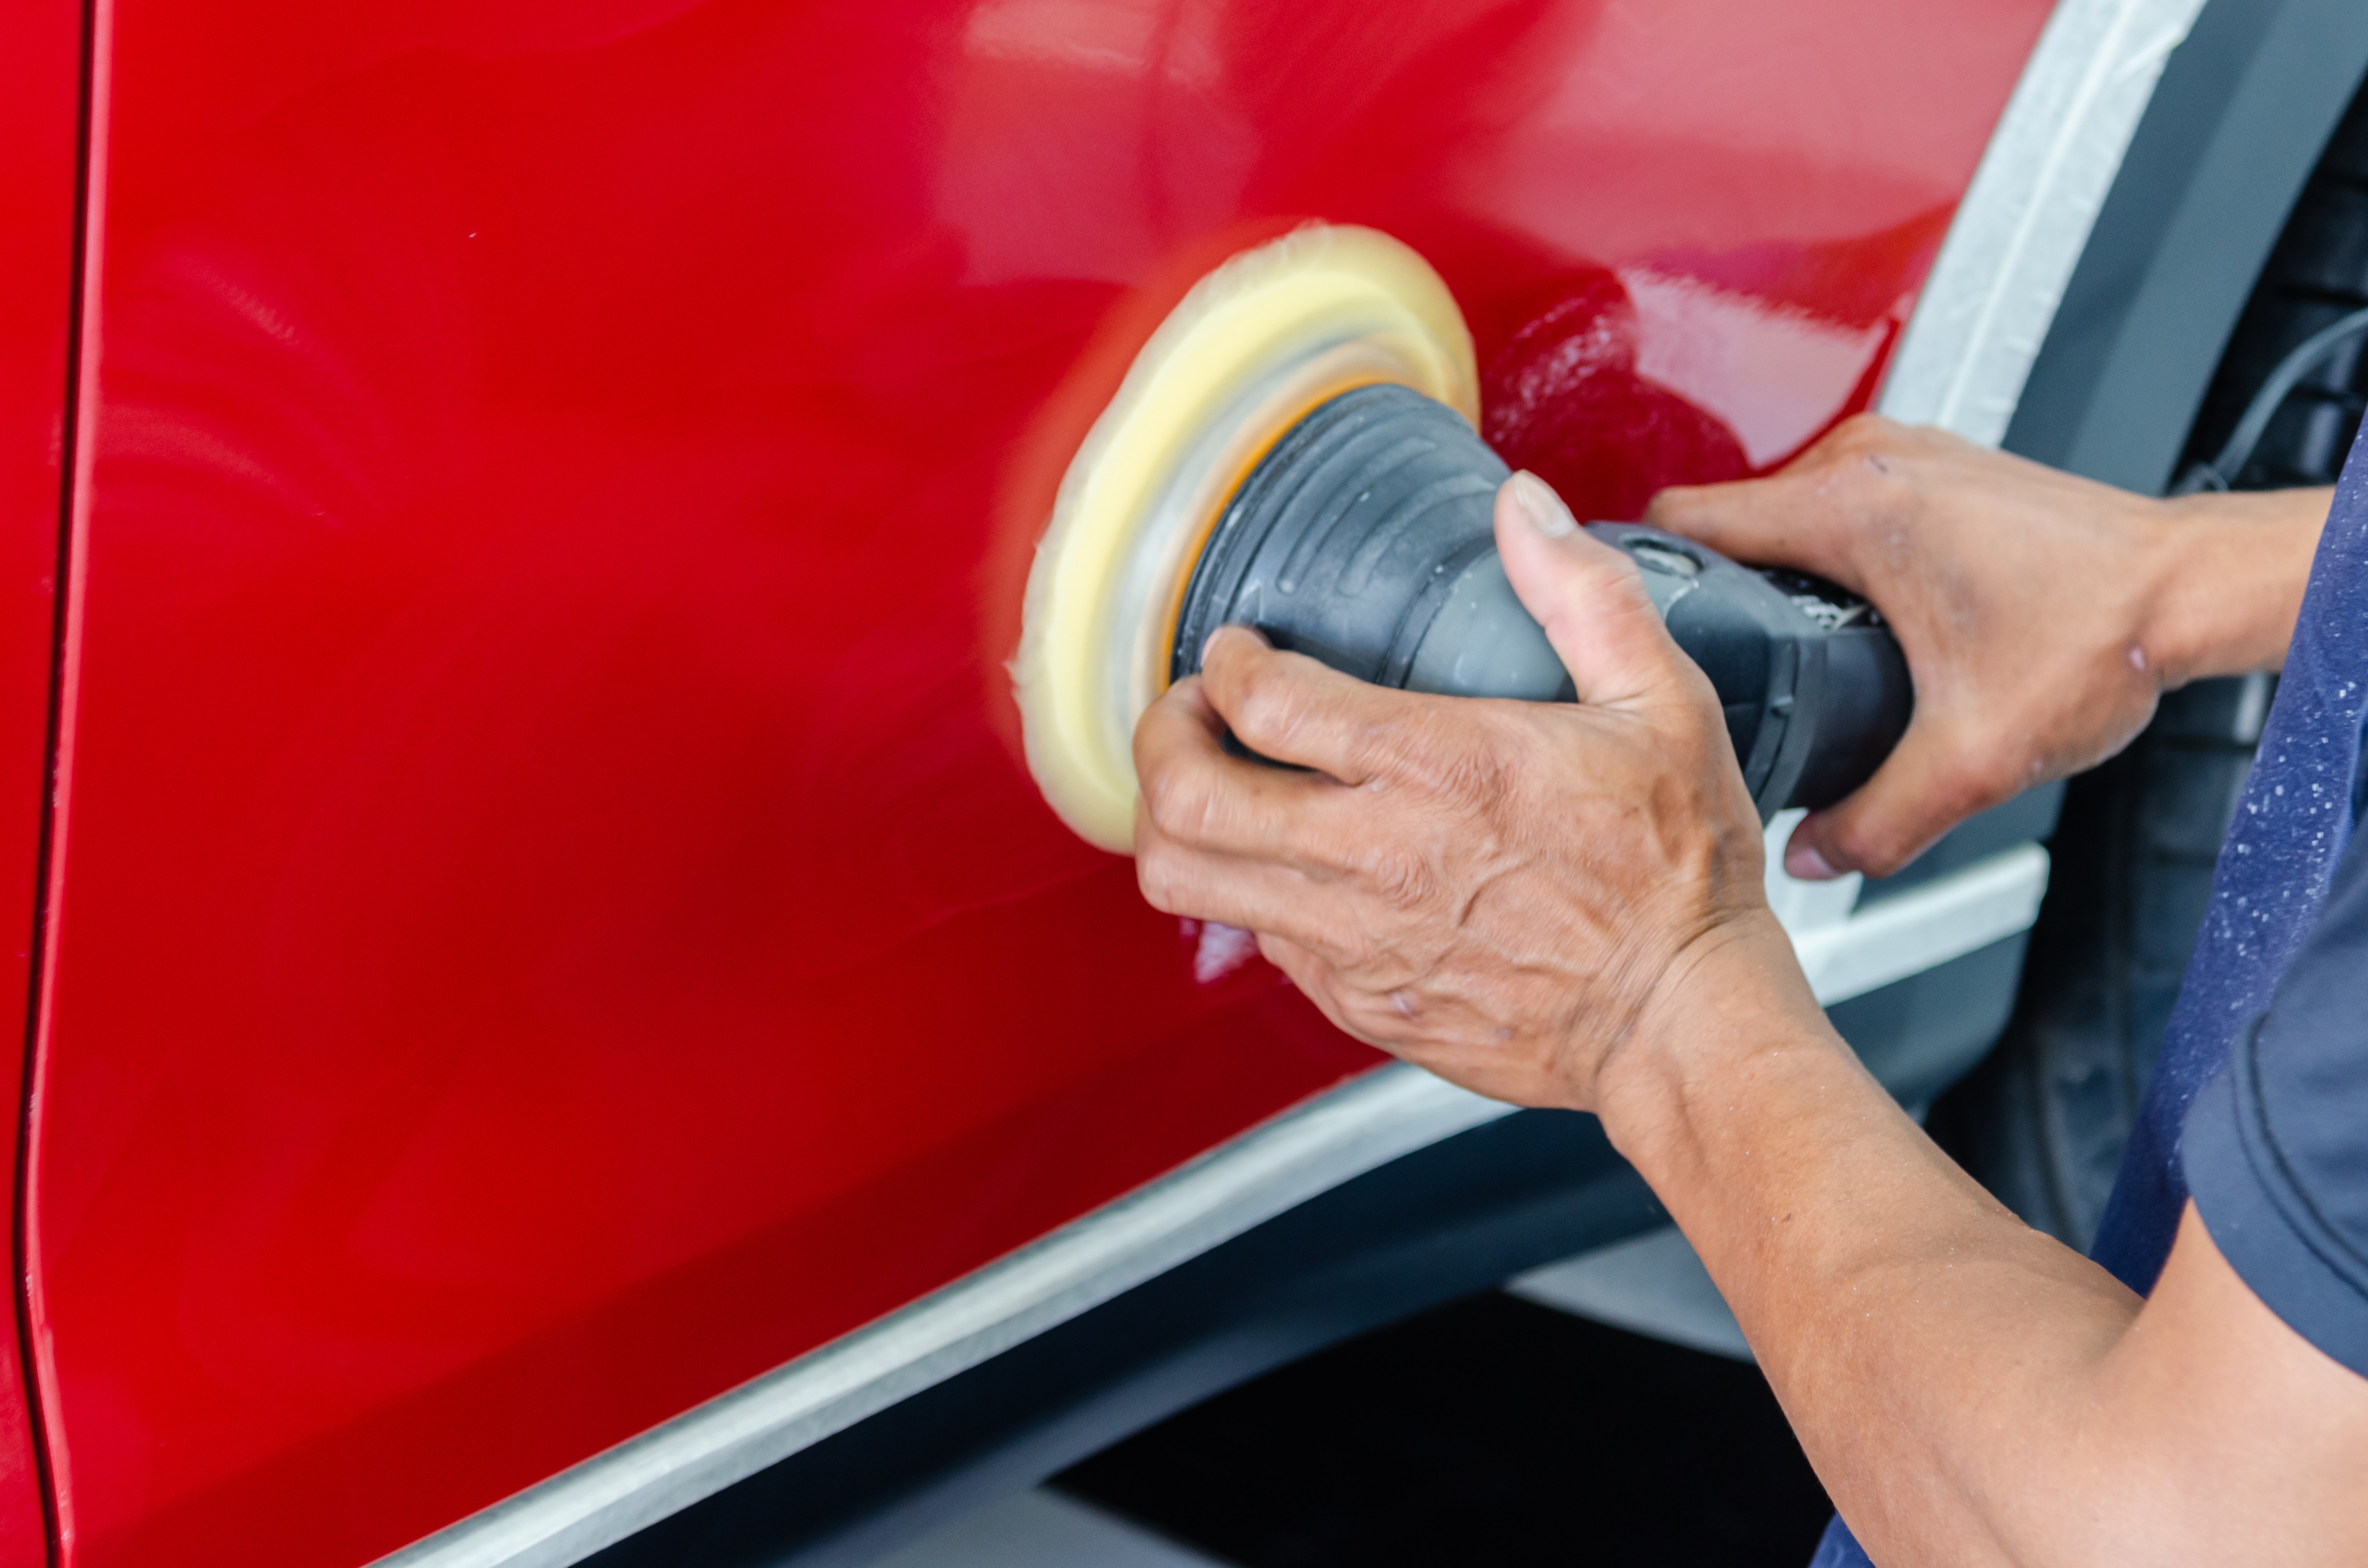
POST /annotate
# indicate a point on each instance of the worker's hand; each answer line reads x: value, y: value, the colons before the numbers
x: 1505, y: 892
x: 2024, y: 599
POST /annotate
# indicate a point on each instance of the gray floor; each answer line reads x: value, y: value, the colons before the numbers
x: 1043, y: 1530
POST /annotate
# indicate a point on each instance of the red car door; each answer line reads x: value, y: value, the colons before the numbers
x: 550, y: 917
x: 40, y: 91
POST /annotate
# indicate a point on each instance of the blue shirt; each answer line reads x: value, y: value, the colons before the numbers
x: 2276, y: 1144
x: 2260, y: 1103
x: 2292, y: 825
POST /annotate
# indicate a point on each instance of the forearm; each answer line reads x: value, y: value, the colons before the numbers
x: 1970, y: 1391
x: 1930, y: 1348
x: 2230, y: 582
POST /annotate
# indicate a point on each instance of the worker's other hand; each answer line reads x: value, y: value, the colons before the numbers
x: 2020, y: 596
x: 1504, y: 893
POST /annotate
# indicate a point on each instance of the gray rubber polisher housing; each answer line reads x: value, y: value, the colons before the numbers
x: 1364, y: 539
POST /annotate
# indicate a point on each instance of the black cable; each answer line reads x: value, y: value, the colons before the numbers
x: 2221, y: 472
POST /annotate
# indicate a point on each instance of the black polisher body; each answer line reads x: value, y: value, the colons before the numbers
x: 1365, y: 538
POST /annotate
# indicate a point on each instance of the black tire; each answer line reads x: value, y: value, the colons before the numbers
x: 2043, y: 1120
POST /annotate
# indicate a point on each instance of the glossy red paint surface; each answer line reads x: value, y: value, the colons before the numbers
x: 40, y: 45
x: 553, y: 923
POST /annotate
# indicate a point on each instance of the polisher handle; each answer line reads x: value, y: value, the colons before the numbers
x: 1813, y: 687
x: 1365, y: 538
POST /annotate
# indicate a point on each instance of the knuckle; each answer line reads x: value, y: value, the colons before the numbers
x: 1862, y: 427
x: 1264, y: 708
x: 1862, y: 436
x: 1464, y: 759
x: 1471, y: 781
x: 1345, y: 952
x: 1356, y: 958
x: 1864, y: 455
x: 1403, y: 880
x: 1482, y: 777
x: 1399, y: 876
x: 1159, y: 877
x: 1386, y: 745
x: 1610, y: 570
x: 1176, y: 799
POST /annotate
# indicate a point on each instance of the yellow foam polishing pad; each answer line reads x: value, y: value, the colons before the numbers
x: 1252, y: 349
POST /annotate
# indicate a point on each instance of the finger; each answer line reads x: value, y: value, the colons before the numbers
x: 1766, y: 522
x: 1291, y: 708
x: 1248, y: 894
x: 1201, y: 796
x: 1587, y: 596
x: 1922, y: 789
x: 1805, y: 518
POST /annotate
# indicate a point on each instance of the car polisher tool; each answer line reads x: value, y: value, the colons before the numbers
x: 1294, y: 450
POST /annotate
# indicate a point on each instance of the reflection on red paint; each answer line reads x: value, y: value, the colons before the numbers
x: 554, y: 925
x: 1562, y: 398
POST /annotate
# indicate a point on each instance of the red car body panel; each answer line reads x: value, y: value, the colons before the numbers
x: 40, y: 77
x: 550, y: 918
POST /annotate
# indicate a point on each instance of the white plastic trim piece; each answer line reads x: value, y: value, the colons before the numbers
x: 1847, y: 952
x: 1946, y: 918
x: 1351, y: 1130
x: 2019, y: 231
x: 1803, y: 907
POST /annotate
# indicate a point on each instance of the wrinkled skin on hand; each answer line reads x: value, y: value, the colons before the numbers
x: 2022, y: 597
x: 1504, y: 893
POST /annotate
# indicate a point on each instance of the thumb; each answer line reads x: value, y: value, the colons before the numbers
x: 1922, y: 789
x: 1587, y: 596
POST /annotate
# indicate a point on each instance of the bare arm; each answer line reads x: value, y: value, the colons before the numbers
x: 1970, y: 1391
x: 1561, y: 905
